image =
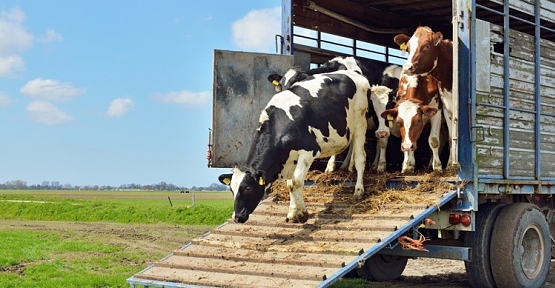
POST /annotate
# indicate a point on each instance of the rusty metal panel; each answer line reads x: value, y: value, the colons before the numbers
x: 240, y: 92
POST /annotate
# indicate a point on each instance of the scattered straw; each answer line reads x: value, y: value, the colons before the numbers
x: 338, y: 188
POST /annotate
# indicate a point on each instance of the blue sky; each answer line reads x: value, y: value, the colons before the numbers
x: 101, y: 92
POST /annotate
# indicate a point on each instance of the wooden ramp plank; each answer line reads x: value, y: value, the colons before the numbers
x: 358, y: 224
x: 291, y: 258
x: 239, y: 242
x: 216, y: 279
x: 246, y: 267
x: 304, y: 233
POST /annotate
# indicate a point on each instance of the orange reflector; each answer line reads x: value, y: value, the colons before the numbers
x: 454, y: 219
x: 465, y: 220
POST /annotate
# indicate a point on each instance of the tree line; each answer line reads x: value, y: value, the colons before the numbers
x: 56, y: 185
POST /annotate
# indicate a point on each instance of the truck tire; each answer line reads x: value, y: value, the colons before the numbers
x: 478, y: 269
x: 520, y: 247
x: 382, y: 267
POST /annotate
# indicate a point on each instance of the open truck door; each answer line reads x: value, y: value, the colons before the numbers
x: 241, y: 90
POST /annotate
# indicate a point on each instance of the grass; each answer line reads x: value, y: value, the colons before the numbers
x: 66, y: 258
x: 121, y: 207
x: 44, y: 259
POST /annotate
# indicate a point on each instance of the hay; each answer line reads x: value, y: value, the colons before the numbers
x: 338, y: 187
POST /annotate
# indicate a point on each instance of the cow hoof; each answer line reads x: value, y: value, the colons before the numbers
x: 300, y: 218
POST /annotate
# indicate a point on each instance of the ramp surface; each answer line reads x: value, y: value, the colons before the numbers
x: 268, y: 252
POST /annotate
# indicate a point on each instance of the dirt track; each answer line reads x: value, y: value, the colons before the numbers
x: 160, y: 239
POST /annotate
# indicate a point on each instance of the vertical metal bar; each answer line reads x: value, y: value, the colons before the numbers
x: 506, y: 87
x: 537, y: 76
x: 287, y: 26
x: 472, y: 101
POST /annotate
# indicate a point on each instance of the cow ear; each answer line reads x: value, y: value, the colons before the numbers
x: 260, y: 175
x: 225, y: 179
x: 437, y: 38
x: 389, y: 114
x: 274, y: 79
x: 401, y: 39
x: 429, y: 111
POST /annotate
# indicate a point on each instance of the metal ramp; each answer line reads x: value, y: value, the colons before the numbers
x: 268, y: 252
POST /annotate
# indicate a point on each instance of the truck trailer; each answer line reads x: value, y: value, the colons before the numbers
x: 497, y: 216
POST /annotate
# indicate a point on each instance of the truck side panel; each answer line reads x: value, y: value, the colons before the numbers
x: 490, y: 108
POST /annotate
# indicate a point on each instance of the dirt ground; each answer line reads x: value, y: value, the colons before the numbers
x: 161, y: 239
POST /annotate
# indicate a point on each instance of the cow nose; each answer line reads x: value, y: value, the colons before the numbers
x: 407, y: 147
x: 382, y: 134
x: 241, y: 218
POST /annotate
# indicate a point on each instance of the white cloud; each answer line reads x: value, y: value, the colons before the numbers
x: 10, y: 64
x: 46, y: 113
x: 13, y: 36
x: 4, y: 100
x: 50, y: 89
x: 51, y: 36
x: 14, y: 39
x: 183, y: 98
x: 257, y: 29
x: 119, y: 107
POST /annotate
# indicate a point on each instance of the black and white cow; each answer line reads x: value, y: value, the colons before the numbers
x: 372, y: 70
x: 315, y: 118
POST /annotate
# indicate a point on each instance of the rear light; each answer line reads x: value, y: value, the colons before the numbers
x: 454, y: 219
x: 464, y: 219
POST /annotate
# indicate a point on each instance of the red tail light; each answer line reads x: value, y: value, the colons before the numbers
x: 454, y: 219
x: 464, y: 219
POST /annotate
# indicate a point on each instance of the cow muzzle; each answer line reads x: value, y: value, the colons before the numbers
x: 242, y: 218
x: 382, y: 134
x: 406, y: 147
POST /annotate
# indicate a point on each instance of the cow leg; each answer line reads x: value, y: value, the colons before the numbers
x: 408, y: 162
x: 331, y: 165
x: 347, y: 162
x: 359, y: 154
x: 433, y: 140
x: 380, y: 163
x: 297, y: 208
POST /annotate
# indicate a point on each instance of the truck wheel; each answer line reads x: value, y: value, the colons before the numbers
x: 382, y: 267
x: 520, y: 247
x: 478, y: 269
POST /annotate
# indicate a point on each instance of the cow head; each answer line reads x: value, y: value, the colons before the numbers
x: 248, y: 190
x: 287, y: 80
x: 380, y: 99
x: 423, y: 48
x: 408, y: 114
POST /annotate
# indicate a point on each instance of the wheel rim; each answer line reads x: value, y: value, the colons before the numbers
x: 531, y: 252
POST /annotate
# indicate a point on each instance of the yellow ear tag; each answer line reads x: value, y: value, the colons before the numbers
x: 226, y: 181
x: 261, y: 181
x: 275, y: 82
x: 403, y: 48
x: 390, y: 121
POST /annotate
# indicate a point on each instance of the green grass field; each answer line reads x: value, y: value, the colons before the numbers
x: 210, y: 208
x: 44, y: 246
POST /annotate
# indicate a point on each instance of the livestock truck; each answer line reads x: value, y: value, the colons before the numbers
x: 498, y: 218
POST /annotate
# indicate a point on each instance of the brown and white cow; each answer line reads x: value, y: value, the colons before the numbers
x: 430, y: 54
x: 418, y: 104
